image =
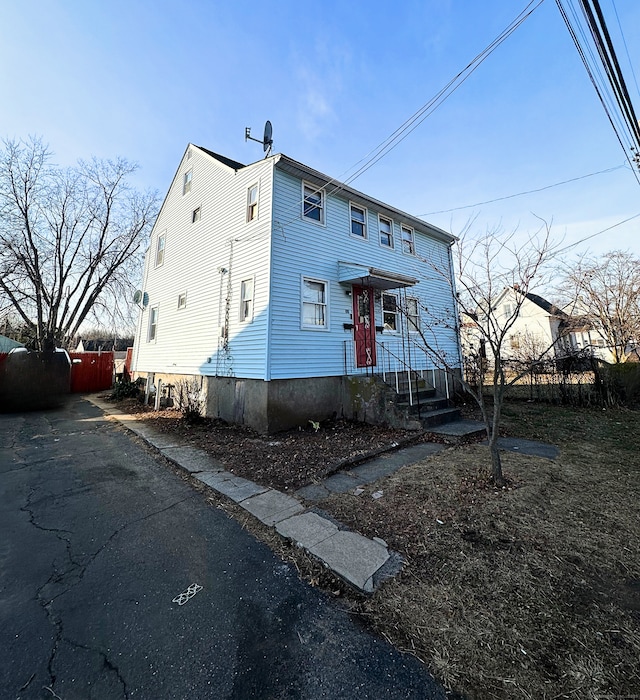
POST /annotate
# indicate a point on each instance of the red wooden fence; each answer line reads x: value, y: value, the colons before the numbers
x: 93, y: 373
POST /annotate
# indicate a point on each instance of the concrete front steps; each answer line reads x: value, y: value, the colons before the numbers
x: 422, y: 404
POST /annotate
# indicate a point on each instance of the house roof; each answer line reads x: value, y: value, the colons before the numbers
x: 545, y: 305
x: 223, y: 159
x: 119, y: 344
x: 315, y: 177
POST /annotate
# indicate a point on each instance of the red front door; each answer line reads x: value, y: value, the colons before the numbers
x: 364, y: 326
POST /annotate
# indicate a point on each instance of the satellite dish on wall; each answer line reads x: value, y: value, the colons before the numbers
x: 145, y: 300
x: 137, y: 297
x: 267, y: 139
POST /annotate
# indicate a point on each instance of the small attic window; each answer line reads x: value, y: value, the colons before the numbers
x: 196, y: 215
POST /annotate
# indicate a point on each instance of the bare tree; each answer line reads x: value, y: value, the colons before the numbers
x: 70, y: 239
x: 606, y: 292
x: 484, y: 268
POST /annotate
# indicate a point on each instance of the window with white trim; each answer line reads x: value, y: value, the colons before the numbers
x: 408, y: 243
x: 390, y: 312
x: 386, y: 231
x: 196, y: 215
x: 313, y: 203
x: 182, y: 300
x: 186, y: 184
x: 153, y: 324
x: 160, y: 247
x: 252, y: 203
x: 314, y: 303
x: 413, y: 315
x: 246, y: 300
x: 358, y: 221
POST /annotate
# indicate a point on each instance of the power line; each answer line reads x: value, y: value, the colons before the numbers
x: 520, y: 194
x: 593, y: 235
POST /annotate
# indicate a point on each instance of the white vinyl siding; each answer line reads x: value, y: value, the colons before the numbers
x: 212, y: 257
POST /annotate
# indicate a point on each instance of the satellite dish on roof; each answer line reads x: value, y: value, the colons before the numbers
x: 267, y: 139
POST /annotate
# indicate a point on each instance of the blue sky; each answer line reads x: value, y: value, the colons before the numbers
x: 141, y: 79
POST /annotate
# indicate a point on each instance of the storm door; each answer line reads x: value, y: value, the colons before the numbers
x: 364, y: 326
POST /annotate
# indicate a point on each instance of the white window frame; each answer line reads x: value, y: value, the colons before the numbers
x: 413, y: 320
x: 187, y: 181
x: 324, y: 304
x: 246, y: 312
x: 408, y: 245
x: 313, y: 191
x: 395, y: 313
x: 362, y: 223
x: 253, y: 208
x: 196, y: 215
x: 152, y: 329
x: 161, y: 248
x: 390, y: 245
x: 182, y: 300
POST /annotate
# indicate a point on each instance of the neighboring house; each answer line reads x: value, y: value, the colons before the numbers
x: 7, y: 344
x: 541, y: 330
x: 273, y: 287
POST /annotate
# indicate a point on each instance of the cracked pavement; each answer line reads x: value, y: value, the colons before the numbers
x: 98, y: 537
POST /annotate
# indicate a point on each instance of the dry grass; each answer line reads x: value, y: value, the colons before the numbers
x: 526, y: 592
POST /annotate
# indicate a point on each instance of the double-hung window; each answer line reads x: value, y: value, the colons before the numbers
x: 390, y: 312
x: 358, y: 221
x: 314, y: 304
x: 386, y: 232
x: 246, y: 300
x: 252, y: 203
x: 153, y: 323
x: 160, y: 246
x: 186, y: 184
x: 408, y: 242
x: 413, y: 315
x: 313, y: 204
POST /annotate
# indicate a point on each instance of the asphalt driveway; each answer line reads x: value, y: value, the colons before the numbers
x: 97, y: 539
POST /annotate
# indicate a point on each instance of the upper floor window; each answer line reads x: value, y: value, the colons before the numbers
x: 386, y: 232
x: 186, y: 186
x: 390, y: 312
x: 408, y: 243
x: 252, y: 203
x: 153, y: 323
x: 246, y: 300
x: 314, y: 303
x: 196, y: 215
x: 313, y: 204
x: 182, y: 300
x: 358, y: 221
x: 160, y: 246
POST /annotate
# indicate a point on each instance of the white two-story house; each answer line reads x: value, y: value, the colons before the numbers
x: 278, y: 289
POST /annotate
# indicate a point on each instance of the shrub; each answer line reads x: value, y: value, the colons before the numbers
x: 125, y: 389
x: 189, y: 399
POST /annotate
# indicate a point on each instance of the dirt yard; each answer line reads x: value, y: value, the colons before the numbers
x: 531, y: 591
